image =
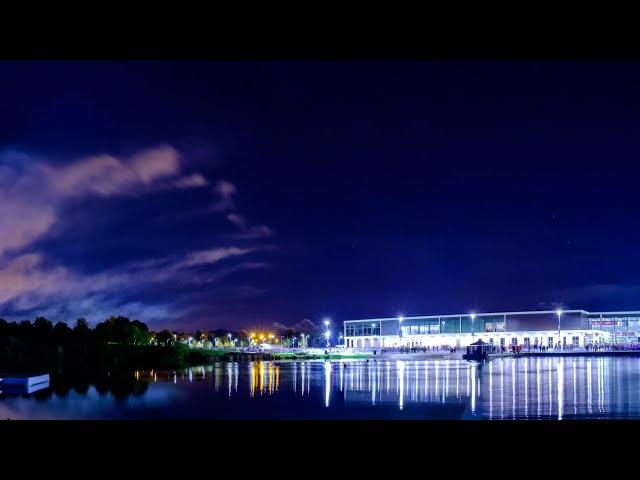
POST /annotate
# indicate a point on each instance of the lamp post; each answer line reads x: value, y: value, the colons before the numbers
x: 327, y: 334
x: 473, y: 317
x: 559, y: 313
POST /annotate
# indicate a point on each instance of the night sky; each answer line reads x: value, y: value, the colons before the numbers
x: 234, y: 194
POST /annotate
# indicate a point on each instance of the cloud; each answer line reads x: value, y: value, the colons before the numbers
x: 246, y: 230
x: 33, y: 193
x: 21, y: 222
x: 27, y: 281
x: 225, y: 191
x: 27, y: 210
x: 105, y: 175
x: 192, y: 181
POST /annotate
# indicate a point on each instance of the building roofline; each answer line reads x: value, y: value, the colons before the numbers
x: 627, y: 312
x: 528, y: 312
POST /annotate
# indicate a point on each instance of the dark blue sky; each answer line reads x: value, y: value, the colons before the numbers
x: 353, y: 189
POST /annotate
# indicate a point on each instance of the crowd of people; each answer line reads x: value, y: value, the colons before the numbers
x: 417, y: 349
x: 604, y: 347
x: 510, y: 348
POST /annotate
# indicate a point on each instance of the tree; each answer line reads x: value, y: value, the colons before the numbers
x: 43, y: 330
x: 61, y: 333
x: 122, y: 330
x: 81, y: 327
x: 25, y: 331
x: 140, y: 336
x: 4, y: 328
x: 165, y: 337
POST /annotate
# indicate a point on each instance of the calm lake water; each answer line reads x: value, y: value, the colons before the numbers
x: 523, y: 388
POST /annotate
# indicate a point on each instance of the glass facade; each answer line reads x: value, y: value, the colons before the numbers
x: 362, y: 329
x: 421, y: 327
x: 450, y: 325
x: 621, y: 326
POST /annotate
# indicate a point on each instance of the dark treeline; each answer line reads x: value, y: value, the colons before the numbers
x: 118, y: 342
x: 44, y: 332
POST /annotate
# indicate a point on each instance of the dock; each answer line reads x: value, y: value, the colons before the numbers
x: 23, y: 382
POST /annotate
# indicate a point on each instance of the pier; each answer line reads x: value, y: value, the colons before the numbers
x: 23, y: 382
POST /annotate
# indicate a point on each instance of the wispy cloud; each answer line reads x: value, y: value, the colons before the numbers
x: 225, y: 191
x: 246, y: 230
x: 28, y: 281
x: 34, y: 194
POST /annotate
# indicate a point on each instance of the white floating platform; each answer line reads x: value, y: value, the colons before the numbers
x: 27, y: 380
x: 21, y: 389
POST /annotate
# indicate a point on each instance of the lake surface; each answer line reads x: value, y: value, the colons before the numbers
x: 508, y: 388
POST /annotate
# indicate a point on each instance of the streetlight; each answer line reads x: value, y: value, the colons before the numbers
x: 473, y: 317
x: 559, y: 313
x: 327, y: 334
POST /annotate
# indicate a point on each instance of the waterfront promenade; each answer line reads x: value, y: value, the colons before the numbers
x: 579, y: 353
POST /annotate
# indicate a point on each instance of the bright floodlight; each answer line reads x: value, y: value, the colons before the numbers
x: 559, y: 312
x: 229, y: 335
x: 400, y: 318
x: 373, y: 325
x: 327, y: 334
x: 326, y: 322
x: 473, y: 315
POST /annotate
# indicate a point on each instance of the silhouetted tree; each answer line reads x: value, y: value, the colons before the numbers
x: 165, y: 337
x: 62, y: 333
x: 25, y: 331
x: 43, y: 330
x: 4, y: 327
x: 81, y: 330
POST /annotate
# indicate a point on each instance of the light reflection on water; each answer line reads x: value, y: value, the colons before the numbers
x: 506, y: 388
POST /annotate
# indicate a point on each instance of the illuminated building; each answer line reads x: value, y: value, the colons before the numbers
x: 529, y: 329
